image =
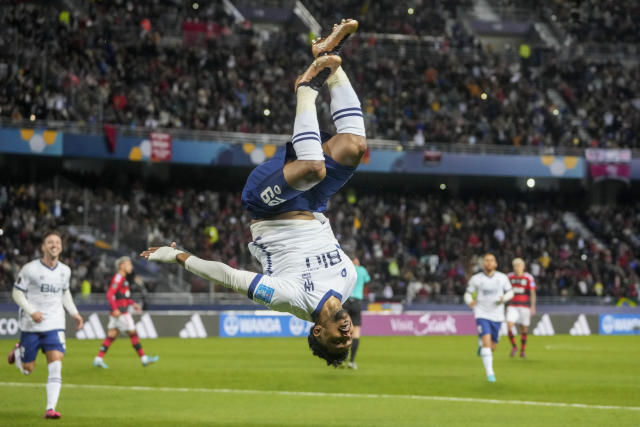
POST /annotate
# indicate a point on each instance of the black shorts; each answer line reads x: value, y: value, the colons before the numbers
x: 354, y: 308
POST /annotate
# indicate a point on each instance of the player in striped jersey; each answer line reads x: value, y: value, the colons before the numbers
x: 522, y: 306
x: 42, y: 293
x: 306, y: 273
x: 119, y: 297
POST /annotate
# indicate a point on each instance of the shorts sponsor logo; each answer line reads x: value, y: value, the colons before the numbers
x: 620, y: 324
x: 269, y: 196
x: 9, y: 326
x: 263, y: 293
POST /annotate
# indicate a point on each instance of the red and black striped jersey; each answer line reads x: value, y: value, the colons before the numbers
x: 119, y: 295
x: 522, y: 286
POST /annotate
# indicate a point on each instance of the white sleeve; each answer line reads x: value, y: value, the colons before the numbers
x: 468, y: 298
x: 506, y: 284
x: 20, y: 298
x: 471, y: 285
x: 67, y: 302
x: 237, y: 280
x: 508, y: 290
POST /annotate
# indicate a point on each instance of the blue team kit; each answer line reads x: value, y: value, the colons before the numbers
x: 266, y: 193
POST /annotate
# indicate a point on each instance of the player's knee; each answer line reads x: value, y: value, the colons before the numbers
x: 27, y: 368
x: 314, y: 170
x: 356, y: 146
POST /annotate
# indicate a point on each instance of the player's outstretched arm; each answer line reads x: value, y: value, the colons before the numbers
x: 237, y: 280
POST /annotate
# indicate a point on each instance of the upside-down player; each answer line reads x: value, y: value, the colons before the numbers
x: 306, y: 273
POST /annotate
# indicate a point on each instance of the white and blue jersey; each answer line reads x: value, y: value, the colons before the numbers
x: 303, y: 266
x: 43, y: 287
x: 490, y: 290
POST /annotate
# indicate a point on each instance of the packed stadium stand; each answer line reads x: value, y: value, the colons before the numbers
x: 423, y: 76
x: 428, y: 76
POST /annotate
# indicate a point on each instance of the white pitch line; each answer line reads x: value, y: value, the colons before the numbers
x: 321, y: 394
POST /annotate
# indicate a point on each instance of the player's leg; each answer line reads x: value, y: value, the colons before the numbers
x: 486, y: 351
x: 129, y: 326
x: 26, y: 351
x: 511, y: 316
x: 112, y: 334
x: 355, y: 311
x: 54, y: 347
x: 524, y: 330
x: 308, y: 168
x: 349, y: 144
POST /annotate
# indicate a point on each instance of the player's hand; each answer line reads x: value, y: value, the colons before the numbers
x: 472, y: 304
x: 137, y: 307
x: 37, y: 317
x: 166, y: 254
x: 79, y: 321
x: 116, y: 313
x: 533, y: 310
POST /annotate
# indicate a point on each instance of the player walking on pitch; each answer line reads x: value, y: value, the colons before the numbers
x: 354, y: 308
x: 42, y: 293
x: 492, y: 289
x: 119, y: 297
x: 306, y: 273
x: 522, y: 306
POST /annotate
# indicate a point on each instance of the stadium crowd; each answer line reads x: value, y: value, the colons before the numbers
x: 163, y: 64
x: 416, y: 247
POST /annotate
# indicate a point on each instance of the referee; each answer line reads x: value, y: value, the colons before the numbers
x: 354, y: 307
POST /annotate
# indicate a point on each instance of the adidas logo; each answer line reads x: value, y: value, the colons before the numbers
x: 544, y: 326
x: 193, y: 328
x: 92, y: 329
x: 145, y: 328
x: 581, y: 327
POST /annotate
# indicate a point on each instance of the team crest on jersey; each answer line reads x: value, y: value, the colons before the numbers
x: 263, y: 293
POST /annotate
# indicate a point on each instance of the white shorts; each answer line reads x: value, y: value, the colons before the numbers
x: 124, y: 322
x: 519, y: 315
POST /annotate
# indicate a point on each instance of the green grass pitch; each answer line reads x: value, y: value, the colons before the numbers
x: 401, y: 381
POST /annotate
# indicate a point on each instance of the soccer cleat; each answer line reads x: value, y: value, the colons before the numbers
x: 352, y: 365
x: 148, y: 360
x: 52, y: 414
x: 11, y: 358
x: 318, y: 72
x: 99, y: 363
x: 491, y: 378
x: 332, y: 44
x: 514, y: 350
x: 522, y: 354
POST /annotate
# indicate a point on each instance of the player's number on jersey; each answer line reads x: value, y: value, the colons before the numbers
x: 269, y: 196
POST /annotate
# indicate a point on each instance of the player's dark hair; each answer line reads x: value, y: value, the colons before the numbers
x: 321, y: 351
x: 51, y: 233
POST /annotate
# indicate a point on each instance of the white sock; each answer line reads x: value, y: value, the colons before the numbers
x: 487, y: 360
x: 54, y: 383
x: 306, y: 131
x: 345, y: 105
x: 18, y: 362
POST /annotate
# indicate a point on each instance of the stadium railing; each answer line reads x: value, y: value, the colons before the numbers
x: 277, y: 139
